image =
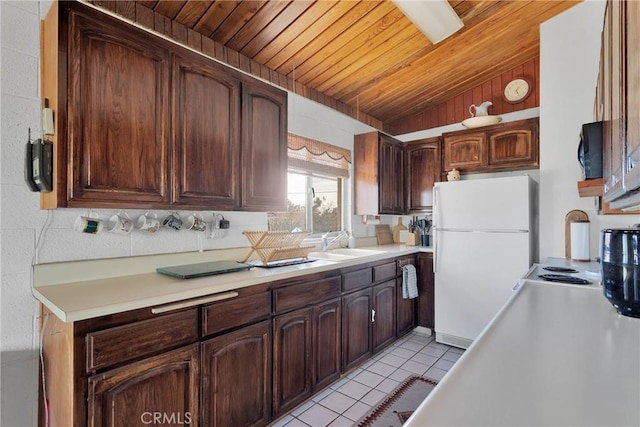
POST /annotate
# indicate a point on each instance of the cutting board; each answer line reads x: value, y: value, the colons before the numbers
x: 396, y: 231
x: 202, y: 269
x: 383, y: 233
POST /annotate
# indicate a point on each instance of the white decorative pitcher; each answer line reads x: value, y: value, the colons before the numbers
x: 480, y: 110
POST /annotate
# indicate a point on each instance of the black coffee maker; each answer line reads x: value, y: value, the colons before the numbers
x: 620, y: 259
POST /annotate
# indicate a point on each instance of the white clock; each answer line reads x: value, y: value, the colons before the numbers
x: 517, y: 90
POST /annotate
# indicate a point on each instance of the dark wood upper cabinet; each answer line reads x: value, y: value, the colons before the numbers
x: 118, y: 121
x: 206, y: 144
x: 264, y: 147
x: 618, y: 106
x: 506, y: 146
x: 464, y: 151
x: 169, y: 382
x: 422, y: 170
x: 393, y: 177
x: 513, y: 146
x: 613, y: 122
x: 144, y: 122
x: 632, y: 96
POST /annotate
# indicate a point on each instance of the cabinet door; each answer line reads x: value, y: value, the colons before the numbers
x: 613, y: 125
x: 422, y: 171
x: 405, y: 311
x: 118, y: 97
x: 632, y: 172
x: 426, y: 301
x: 384, y: 317
x: 514, y: 146
x: 391, y: 173
x: 326, y: 343
x: 264, y: 148
x: 356, y: 328
x: 236, y: 378
x: 464, y: 152
x: 292, y: 351
x: 206, y: 140
x: 167, y: 384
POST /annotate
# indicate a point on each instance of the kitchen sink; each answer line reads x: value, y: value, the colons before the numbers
x: 344, y: 254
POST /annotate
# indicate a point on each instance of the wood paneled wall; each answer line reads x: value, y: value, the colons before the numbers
x: 456, y: 109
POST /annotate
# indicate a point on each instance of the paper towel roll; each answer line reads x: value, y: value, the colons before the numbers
x: 580, y: 241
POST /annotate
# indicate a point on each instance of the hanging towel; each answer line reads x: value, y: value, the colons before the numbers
x: 409, y: 282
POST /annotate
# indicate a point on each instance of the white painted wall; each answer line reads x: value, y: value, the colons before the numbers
x: 569, y: 60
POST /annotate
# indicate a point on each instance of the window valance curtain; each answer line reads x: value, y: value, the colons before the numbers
x: 309, y: 155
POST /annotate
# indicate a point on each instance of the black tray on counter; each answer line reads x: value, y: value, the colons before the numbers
x: 190, y: 271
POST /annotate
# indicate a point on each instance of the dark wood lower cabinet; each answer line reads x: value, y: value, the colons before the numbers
x: 241, y: 361
x: 356, y: 328
x: 426, y: 288
x: 405, y: 311
x: 306, y: 346
x: 236, y: 378
x: 165, y: 387
x: 327, y: 345
x: 292, y: 344
x: 384, y: 317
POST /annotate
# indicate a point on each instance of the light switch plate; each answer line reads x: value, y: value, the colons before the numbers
x: 47, y: 122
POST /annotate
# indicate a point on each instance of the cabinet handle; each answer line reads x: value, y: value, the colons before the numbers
x: 192, y: 302
x: 373, y: 315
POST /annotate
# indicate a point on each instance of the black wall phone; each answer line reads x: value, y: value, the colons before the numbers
x: 38, y: 165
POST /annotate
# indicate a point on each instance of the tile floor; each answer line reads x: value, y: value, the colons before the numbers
x: 347, y: 400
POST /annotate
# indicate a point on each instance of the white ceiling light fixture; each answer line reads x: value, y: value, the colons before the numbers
x: 435, y: 18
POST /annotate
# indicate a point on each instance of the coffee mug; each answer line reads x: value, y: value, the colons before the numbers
x: 173, y: 221
x: 148, y: 222
x: 195, y: 222
x: 120, y: 223
x: 89, y: 223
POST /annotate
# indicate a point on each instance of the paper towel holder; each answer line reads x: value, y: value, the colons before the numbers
x: 572, y: 216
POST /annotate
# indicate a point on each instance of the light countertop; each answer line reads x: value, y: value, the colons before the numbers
x: 553, y: 356
x: 83, y: 290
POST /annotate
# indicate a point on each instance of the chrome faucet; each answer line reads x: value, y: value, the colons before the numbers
x: 326, y: 243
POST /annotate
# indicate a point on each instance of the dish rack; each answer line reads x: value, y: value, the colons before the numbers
x: 277, y: 245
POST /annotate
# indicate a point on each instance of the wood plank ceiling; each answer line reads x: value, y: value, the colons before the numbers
x: 367, y: 54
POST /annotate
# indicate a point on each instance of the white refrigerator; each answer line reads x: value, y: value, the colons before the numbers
x: 485, y: 239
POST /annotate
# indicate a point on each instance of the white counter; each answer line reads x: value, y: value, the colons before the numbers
x: 555, y: 355
x: 83, y: 290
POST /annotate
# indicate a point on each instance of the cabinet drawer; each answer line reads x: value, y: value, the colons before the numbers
x: 357, y: 279
x: 235, y: 312
x: 124, y: 343
x: 301, y: 295
x: 384, y: 271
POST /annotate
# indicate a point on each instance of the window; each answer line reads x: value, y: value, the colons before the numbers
x: 315, y: 179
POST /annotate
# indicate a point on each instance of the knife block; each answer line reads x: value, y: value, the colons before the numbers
x: 412, y: 239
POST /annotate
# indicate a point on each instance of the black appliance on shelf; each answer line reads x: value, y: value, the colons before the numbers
x: 620, y: 260
x: 590, y: 150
